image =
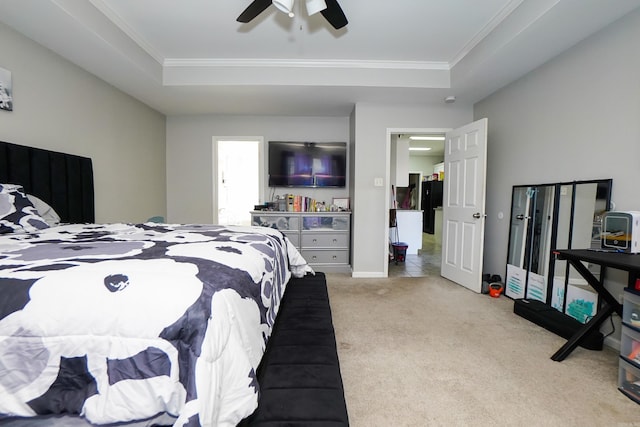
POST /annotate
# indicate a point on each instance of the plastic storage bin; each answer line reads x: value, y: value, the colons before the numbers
x: 399, y: 251
x: 629, y: 380
x: 630, y: 345
x: 631, y: 308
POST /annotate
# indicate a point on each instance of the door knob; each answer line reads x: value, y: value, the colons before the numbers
x: 477, y: 215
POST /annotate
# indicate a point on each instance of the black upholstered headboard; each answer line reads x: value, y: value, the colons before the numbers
x: 64, y: 181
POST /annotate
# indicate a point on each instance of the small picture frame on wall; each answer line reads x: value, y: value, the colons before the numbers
x: 341, y: 204
x: 6, y: 90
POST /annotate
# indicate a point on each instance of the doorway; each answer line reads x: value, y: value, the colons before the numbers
x: 425, y: 157
x: 237, y: 179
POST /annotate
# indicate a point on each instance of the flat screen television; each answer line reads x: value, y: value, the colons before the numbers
x: 307, y: 164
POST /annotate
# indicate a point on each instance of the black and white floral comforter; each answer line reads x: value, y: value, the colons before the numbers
x: 123, y: 322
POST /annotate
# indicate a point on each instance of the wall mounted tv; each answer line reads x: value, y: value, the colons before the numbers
x: 307, y: 164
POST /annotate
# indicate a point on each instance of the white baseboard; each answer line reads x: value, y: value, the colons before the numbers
x: 612, y: 342
x: 368, y: 275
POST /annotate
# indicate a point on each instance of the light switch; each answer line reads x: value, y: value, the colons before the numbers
x: 377, y: 182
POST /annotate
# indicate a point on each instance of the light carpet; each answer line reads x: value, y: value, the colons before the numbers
x: 427, y: 352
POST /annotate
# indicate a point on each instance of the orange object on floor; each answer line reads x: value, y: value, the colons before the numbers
x: 495, y: 289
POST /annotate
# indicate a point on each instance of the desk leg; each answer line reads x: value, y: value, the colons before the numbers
x: 609, y: 306
x: 597, y: 286
x: 605, y: 311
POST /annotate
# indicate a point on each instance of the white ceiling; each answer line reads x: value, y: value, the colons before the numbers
x: 192, y: 57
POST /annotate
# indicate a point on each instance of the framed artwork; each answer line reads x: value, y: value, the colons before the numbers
x: 6, y: 99
x: 341, y: 203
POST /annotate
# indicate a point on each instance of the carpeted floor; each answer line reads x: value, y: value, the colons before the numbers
x: 427, y: 352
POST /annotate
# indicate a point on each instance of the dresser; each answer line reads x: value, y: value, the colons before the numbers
x: 323, y: 238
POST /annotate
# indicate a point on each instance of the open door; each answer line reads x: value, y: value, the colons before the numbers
x: 463, y: 216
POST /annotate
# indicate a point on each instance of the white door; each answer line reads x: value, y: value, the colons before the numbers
x: 463, y: 216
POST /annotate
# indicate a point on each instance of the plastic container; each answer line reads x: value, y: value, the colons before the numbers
x: 630, y: 345
x: 399, y: 251
x: 629, y: 380
x: 631, y: 308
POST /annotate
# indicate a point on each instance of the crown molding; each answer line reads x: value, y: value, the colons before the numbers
x: 304, y: 63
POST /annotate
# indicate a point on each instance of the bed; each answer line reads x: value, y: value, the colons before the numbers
x: 128, y: 324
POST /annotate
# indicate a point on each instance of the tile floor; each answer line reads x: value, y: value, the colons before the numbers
x: 425, y: 263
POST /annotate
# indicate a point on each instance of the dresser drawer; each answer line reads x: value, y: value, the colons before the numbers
x: 324, y: 240
x: 281, y: 222
x: 318, y: 256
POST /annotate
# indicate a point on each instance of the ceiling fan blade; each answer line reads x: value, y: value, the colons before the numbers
x: 253, y: 10
x: 334, y: 14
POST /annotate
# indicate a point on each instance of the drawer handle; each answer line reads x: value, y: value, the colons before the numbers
x: 335, y: 257
x: 315, y: 240
x: 314, y: 257
x: 335, y: 240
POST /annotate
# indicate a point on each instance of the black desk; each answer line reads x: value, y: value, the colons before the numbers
x: 620, y: 261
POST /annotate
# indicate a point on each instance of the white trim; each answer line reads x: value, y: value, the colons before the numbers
x: 125, y: 28
x: 301, y: 63
x: 368, y: 275
x: 485, y: 31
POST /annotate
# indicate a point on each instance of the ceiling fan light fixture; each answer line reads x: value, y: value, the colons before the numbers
x: 285, y: 6
x: 315, y: 6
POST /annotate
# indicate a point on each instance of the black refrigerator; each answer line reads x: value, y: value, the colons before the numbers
x: 431, y: 199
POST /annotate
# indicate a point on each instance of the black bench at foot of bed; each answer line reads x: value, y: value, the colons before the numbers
x: 299, y: 376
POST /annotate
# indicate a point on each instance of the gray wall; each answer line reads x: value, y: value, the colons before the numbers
x: 576, y: 117
x: 373, y: 124
x: 60, y: 107
x: 190, y: 156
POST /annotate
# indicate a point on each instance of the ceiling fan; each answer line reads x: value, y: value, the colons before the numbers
x: 330, y: 9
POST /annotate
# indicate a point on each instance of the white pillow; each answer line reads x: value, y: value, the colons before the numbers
x: 45, y: 211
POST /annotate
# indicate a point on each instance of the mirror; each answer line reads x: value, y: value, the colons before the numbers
x: 580, y: 211
x: 519, y: 226
x: 530, y: 240
x: 546, y: 217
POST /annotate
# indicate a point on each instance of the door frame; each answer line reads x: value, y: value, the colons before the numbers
x: 214, y: 168
x: 387, y: 199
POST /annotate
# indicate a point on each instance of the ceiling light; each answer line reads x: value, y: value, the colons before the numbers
x: 285, y: 6
x: 315, y: 6
x: 427, y: 138
x: 450, y: 99
x: 419, y: 148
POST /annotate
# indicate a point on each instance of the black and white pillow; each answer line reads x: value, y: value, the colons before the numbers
x: 17, y: 213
